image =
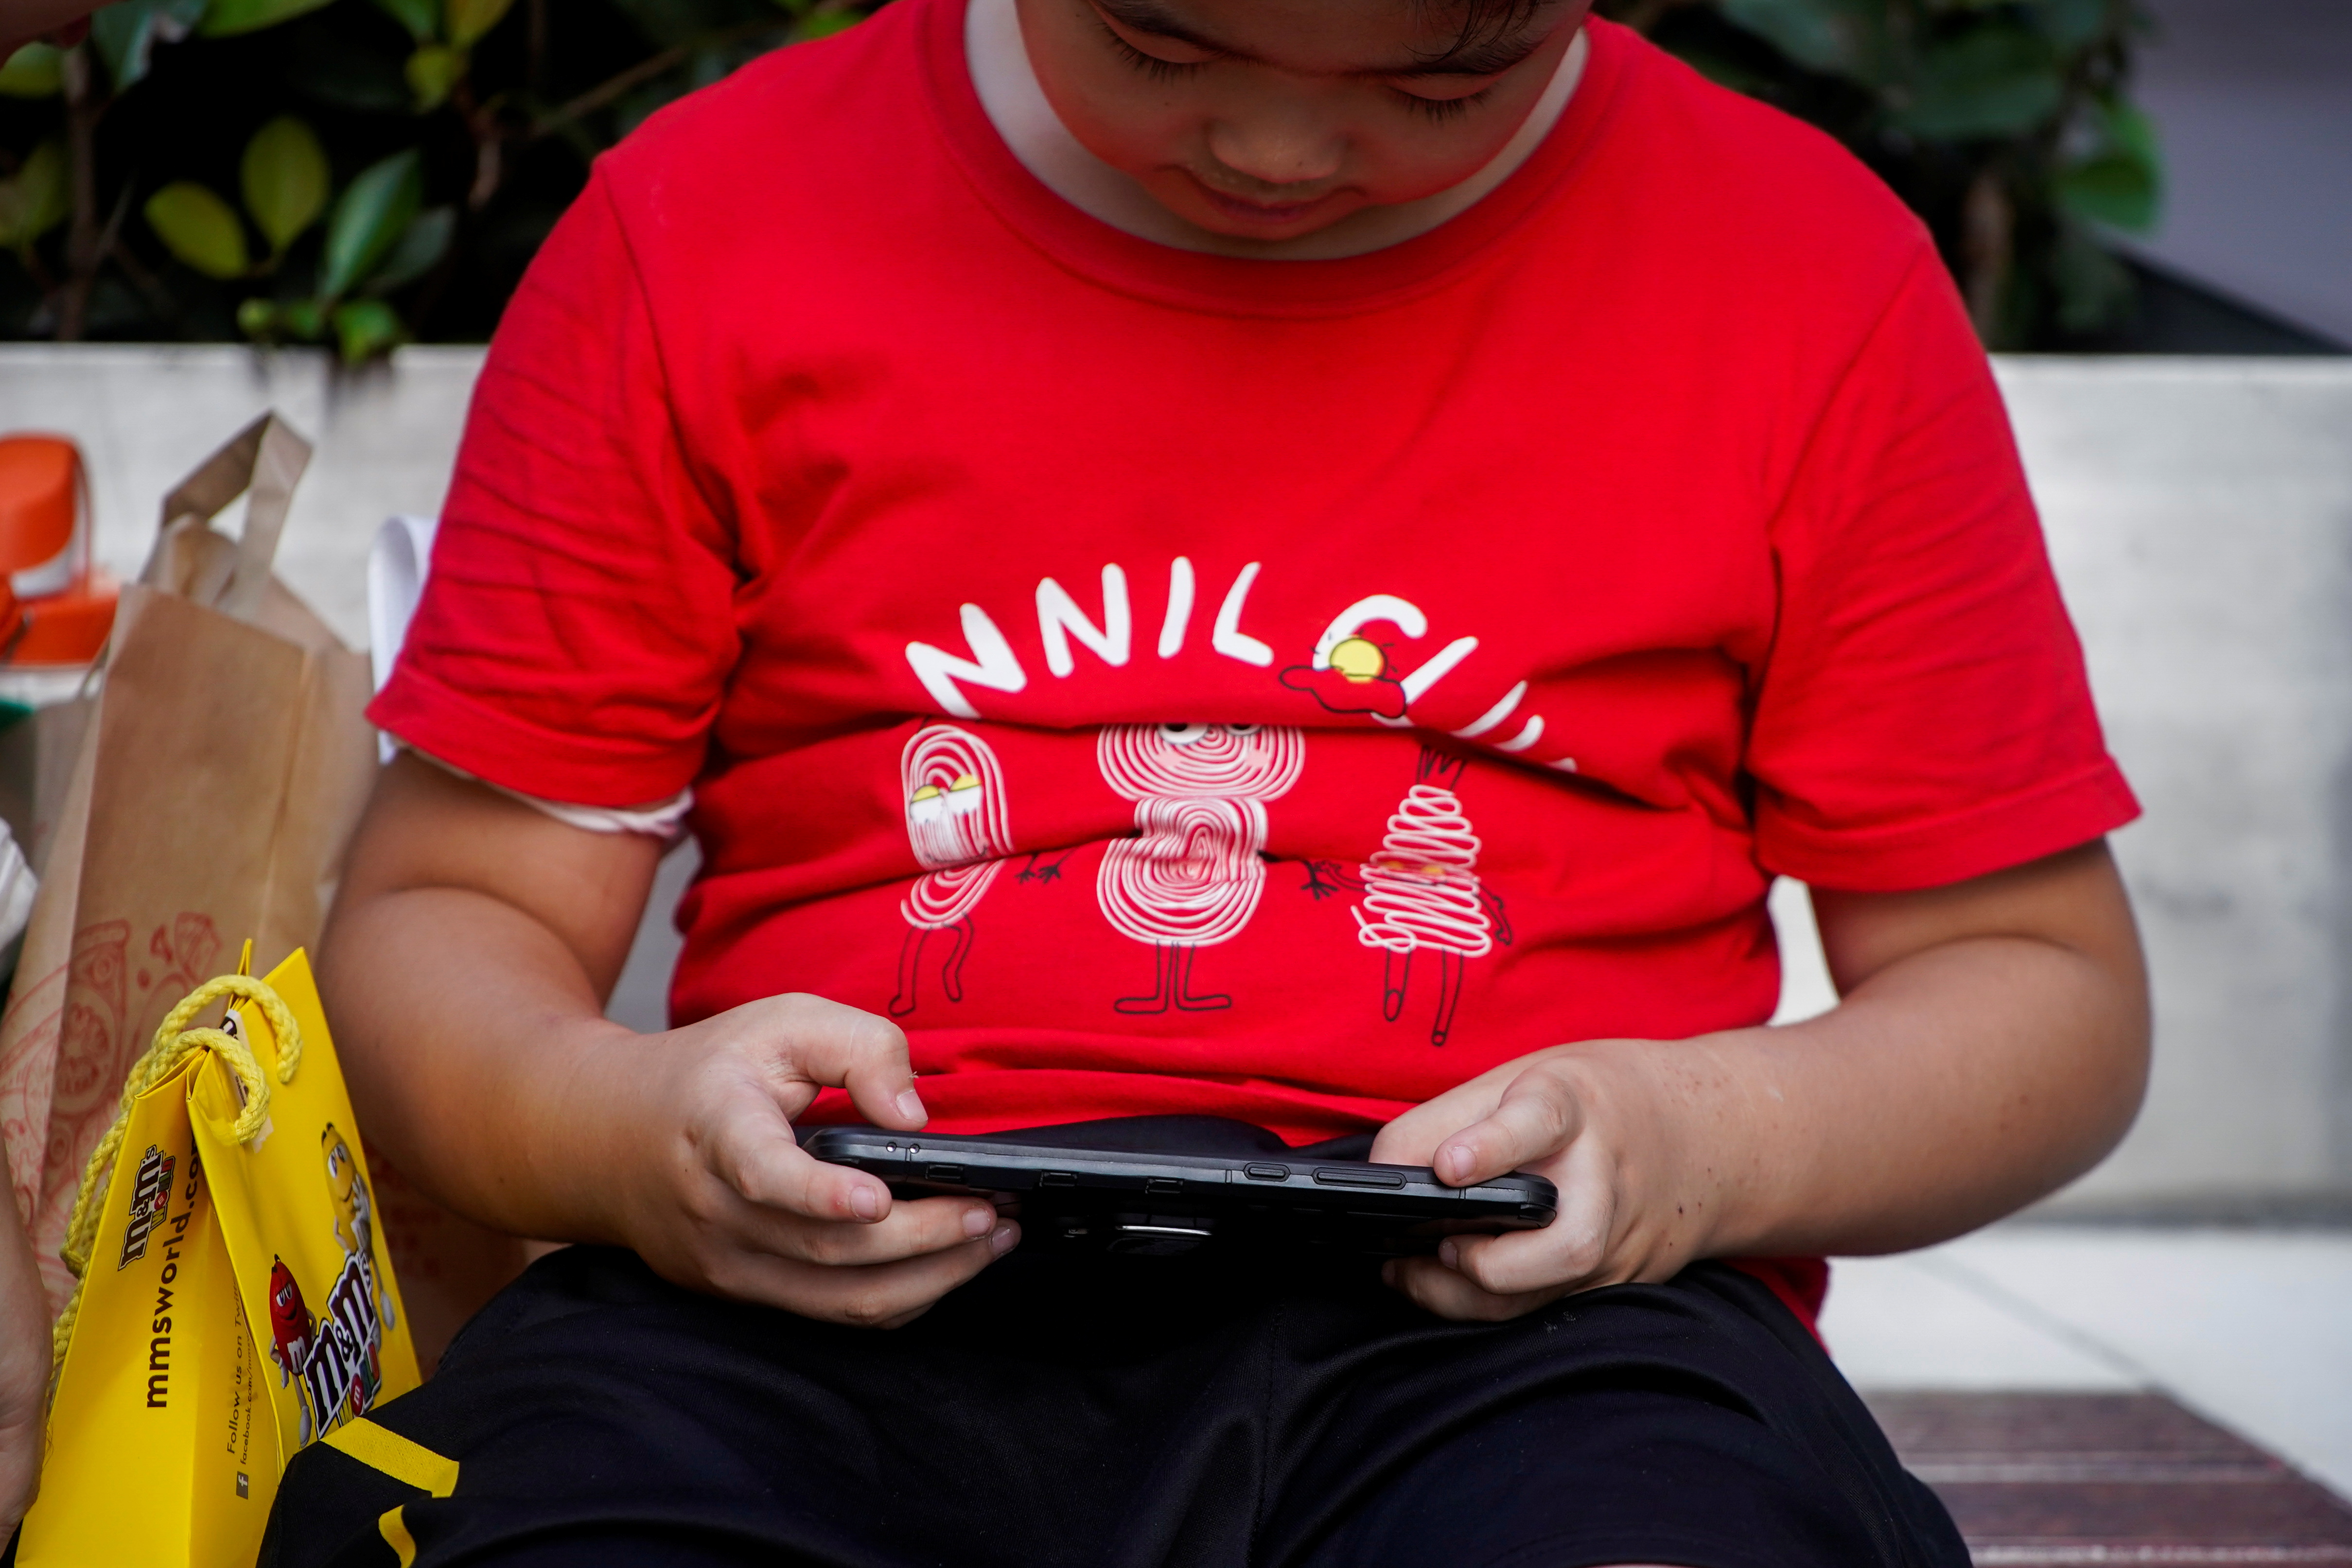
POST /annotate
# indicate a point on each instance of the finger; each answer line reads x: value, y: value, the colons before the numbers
x: 912, y: 1230
x: 876, y: 1296
x: 854, y: 1050
x: 1412, y: 1138
x: 1572, y: 1251
x: 1439, y: 1289
x: 752, y: 1151
x: 1538, y: 1116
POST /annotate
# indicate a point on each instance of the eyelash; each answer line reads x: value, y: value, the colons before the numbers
x: 1151, y: 66
x: 1444, y: 111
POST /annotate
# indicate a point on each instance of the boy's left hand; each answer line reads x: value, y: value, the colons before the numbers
x: 1597, y: 1118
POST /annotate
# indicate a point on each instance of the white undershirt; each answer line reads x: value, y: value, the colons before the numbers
x: 664, y: 820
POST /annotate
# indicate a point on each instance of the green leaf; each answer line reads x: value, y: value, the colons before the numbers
x: 35, y: 201
x: 367, y: 328
x: 421, y: 17
x: 2072, y: 24
x: 284, y: 177
x: 1838, y: 37
x: 375, y: 209
x: 432, y: 72
x: 420, y: 250
x: 124, y: 36
x: 2117, y: 190
x: 302, y: 318
x: 2131, y: 133
x: 257, y: 319
x: 2122, y: 183
x: 36, y: 71
x: 199, y: 228
x: 823, y: 25
x: 1995, y: 80
x: 126, y: 33
x: 230, y: 17
x: 468, y: 20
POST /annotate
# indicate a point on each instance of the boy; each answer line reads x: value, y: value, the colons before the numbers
x: 1294, y: 560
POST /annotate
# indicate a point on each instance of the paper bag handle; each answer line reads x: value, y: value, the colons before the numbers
x: 265, y: 459
x: 174, y: 1041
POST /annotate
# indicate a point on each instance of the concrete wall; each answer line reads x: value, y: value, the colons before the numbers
x: 2199, y: 513
x: 145, y: 415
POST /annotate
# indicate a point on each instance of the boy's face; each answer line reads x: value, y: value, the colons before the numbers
x: 1267, y: 120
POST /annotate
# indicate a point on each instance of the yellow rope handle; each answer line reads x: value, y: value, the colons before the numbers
x: 174, y: 1041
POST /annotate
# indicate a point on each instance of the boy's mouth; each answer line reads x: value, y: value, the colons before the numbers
x: 1260, y: 214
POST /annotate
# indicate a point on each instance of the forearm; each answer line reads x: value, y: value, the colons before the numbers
x: 464, y: 967
x: 476, y: 1045
x: 1950, y: 1088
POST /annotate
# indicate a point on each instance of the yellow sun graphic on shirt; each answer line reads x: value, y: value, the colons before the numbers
x: 1358, y: 659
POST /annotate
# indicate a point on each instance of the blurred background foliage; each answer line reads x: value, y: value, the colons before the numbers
x: 2007, y: 124
x: 364, y: 173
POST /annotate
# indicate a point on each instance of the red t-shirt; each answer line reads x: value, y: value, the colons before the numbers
x: 1280, y: 690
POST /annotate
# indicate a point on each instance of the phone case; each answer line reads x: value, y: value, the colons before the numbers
x: 1157, y: 1204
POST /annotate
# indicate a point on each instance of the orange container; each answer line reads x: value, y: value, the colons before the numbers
x: 39, y: 478
x: 41, y: 494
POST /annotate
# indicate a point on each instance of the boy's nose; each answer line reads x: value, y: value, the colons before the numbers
x: 1277, y: 151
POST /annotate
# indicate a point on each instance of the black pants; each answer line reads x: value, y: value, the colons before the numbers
x: 1134, y: 1414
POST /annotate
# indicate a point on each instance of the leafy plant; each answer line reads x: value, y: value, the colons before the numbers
x: 2007, y: 124
x: 356, y: 171
x: 366, y: 171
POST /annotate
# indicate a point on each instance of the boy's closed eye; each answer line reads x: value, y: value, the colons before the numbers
x: 1156, y: 42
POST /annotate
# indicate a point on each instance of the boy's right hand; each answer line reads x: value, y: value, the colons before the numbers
x: 723, y: 1197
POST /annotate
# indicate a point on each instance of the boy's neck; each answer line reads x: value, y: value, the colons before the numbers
x: 1017, y: 107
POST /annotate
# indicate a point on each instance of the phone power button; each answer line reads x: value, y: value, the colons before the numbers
x: 1267, y: 1172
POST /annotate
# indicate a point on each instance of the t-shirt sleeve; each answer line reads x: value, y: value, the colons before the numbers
x: 577, y: 626
x: 1924, y: 714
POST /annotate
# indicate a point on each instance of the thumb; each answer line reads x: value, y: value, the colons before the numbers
x: 1538, y: 1116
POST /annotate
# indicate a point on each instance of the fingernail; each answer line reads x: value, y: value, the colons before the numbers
x: 1001, y: 1240
x: 1449, y: 1254
x: 1454, y: 1163
x: 865, y: 1202
x: 976, y: 1221
x: 1389, y: 1273
x: 910, y: 1106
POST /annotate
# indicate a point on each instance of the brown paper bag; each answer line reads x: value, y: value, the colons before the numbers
x: 219, y: 774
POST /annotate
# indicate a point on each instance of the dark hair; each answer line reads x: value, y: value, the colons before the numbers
x: 1482, y: 21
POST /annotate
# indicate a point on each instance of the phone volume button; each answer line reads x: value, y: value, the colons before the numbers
x: 1267, y: 1172
x: 1337, y: 1175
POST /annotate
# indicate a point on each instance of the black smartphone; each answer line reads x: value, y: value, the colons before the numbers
x: 1157, y: 1203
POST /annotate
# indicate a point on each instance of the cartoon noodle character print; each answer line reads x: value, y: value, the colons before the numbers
x: 354, y: 1214
x: 1192, y: 875
x: 958, y: 825
x: 292, y: 1333
x: 1421, y: 889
